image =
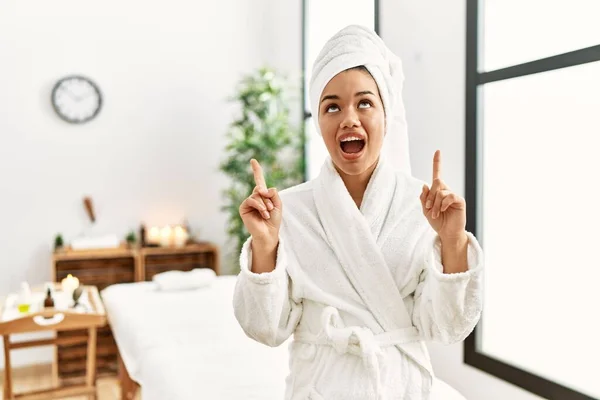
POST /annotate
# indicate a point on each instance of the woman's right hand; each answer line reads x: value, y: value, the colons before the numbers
x: 261, y: 211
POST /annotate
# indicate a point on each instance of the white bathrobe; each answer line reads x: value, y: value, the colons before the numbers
x: 360, y: 290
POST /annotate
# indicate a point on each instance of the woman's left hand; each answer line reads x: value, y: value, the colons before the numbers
x: 445, y: 211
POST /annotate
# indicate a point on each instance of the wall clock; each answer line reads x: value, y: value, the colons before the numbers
x: 76, y: 99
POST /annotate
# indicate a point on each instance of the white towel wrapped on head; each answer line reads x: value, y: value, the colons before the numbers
x: 355, y: 46
x: 181, y: 280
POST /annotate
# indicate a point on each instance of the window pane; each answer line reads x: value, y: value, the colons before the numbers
x: 541, y: 137
x: 316, y: 152
x: 517, y: 31
x: 324, y: 18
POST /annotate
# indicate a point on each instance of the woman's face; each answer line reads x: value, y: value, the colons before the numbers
x: 352, y: 121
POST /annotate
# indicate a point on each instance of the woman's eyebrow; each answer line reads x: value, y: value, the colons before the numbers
x: 330, y: 97
x: 363, y: 93
x: 336, y: 97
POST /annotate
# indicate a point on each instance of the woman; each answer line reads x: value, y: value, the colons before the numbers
x: 364, y: 263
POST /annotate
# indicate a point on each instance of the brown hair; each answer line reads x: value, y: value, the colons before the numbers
x: 359, y: 68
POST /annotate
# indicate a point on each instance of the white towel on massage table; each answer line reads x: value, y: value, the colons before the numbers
x: 184, y: 280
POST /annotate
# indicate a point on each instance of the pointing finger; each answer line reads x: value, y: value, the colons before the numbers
x: 437, y: 165
x: 259, y: 178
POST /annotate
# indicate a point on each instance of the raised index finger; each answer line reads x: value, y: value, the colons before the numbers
x: 437, y: 165
x: 258, y: 174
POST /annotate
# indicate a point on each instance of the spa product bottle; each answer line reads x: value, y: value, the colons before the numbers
x: 24, y: 299
x: 48, y: 301
x: 143, y: 235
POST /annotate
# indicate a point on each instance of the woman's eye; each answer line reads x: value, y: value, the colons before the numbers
x: 332, y: 108
x: 364, y: 104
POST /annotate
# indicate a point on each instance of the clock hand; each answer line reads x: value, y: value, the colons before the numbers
x: 88, y: 95
x: 73, y: 96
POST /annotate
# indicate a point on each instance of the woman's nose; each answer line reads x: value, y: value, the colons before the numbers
x: 350, y: 119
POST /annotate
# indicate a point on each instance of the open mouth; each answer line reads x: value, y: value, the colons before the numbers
x: 352, y: 145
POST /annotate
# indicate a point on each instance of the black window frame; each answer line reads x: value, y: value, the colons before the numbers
x: 474, y: 81
x: 306, y: 113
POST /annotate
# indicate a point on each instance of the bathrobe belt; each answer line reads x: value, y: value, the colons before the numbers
x: 359, y: 341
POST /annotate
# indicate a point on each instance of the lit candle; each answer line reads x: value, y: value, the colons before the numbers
x: 180, y: 236
x: 166, y: 236
x: 154, y: 235
x: 69, y: 284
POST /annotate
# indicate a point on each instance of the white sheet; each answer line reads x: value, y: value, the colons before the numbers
x: 187, y: 344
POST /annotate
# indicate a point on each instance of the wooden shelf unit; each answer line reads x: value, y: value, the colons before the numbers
x: 103, y: 268
x: 154, y: 260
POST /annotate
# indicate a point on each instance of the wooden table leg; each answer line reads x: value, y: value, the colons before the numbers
x: 8, y: 394
x: 91, y: 362
x: 128, y: 386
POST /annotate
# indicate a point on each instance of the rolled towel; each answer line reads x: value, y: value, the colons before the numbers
x: 181, y: 280
x: 355, y: 46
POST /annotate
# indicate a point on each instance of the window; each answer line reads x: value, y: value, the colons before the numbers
x: 533, y: 134
x: 321, y: 20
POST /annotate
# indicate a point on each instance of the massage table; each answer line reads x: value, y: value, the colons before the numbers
x: 187, y: 345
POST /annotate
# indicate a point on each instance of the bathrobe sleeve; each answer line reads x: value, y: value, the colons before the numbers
x: 448, y: 306
x: 263, y: 304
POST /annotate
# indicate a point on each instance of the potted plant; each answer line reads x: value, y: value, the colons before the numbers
x: 58, y: 242
x: 262, y: 131
x: 130, y: 238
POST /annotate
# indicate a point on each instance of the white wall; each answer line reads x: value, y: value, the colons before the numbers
x: 152, y: 154
x: 430, y: 39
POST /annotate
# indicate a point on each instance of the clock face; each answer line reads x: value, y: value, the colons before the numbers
x: 76, y: 99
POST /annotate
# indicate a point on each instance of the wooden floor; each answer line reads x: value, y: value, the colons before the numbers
x: 40, y: 377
